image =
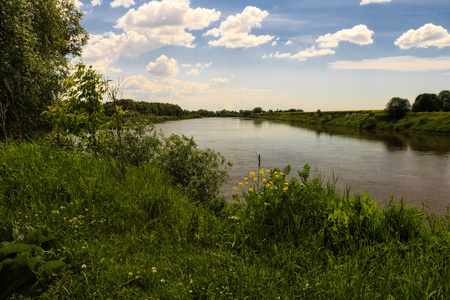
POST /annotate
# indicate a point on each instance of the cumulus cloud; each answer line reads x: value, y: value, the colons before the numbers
x: 102, y: 66
x: 163, y: 66
x: 151, y: 26
x: 302, y: 55
x: 168, y: 89
x: 193, y: 72
x: 234, y: 32
x: 96, y: 2
x: 426, y: 36
x: 218, y: 82
x: 359, y: 34
x: 399, y: 63
x: 364, y: 2
x: 78, y: 3
x: 288, y: 42
x: 124, y: 3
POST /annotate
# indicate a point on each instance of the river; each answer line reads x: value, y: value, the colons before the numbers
x: 415, y: 167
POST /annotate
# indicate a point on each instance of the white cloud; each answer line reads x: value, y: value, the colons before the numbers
x: 193, y: 72
x: 149, y: 27
x: 364, y: 2
x: 359, y: 34
x: 102, y: 66
x: 186, y: 65
x: 124, y: 3
x: 218, y: 82
x: 426, y: 36
x: 288, y: 42
x: 96, y: 2
x: 302, y: 55
x: 203, y: 66
x: 274, y: 43
x: 78, y: 3
x: 399, y: 63
x: 163, y: 66
x: 234, y: 32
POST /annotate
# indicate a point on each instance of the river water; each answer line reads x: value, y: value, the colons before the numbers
x: 415, y: 167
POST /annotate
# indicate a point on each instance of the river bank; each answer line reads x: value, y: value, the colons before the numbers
x: 73, y: 227
x: 436, y: 122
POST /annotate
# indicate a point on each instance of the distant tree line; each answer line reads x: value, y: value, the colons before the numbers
x: 134, y: 108
x: 399, y: 107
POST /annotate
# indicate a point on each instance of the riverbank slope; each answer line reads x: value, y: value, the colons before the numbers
x: 438, y: 122
x: 74, y: 227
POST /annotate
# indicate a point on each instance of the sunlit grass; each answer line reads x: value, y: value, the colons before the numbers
x: 139, y: 237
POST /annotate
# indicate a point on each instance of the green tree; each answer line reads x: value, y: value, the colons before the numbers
x: 444, y: 97
x: 398, y: 107
x: 81, y: 108
x: 426, y: 102
x: 257, y: 110
x: 37, y: 40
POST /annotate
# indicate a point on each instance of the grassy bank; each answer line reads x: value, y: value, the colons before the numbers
x: 143, y: 237
x: 438, y: 122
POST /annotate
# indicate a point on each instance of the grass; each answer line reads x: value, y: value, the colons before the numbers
x: 438, y: 122
x: 142, y: 237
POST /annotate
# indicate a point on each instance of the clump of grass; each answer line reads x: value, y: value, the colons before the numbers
x: 142, y: 236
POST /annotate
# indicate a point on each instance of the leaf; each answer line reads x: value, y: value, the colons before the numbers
x: 51, y: 268
x: 16, y: 277
x: 14, y: 249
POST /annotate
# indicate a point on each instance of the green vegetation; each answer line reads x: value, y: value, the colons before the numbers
x: 37, y: 40
x: 438, y: 122
x: 141, y: 236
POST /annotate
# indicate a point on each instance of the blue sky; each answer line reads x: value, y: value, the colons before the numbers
x: 308, y: 54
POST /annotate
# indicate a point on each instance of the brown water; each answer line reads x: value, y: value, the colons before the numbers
x: 415, y: 167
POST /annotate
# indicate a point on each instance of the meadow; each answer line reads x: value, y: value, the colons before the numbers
x: 74, y: 225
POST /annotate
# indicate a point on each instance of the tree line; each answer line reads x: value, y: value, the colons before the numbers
x: 399, y: 107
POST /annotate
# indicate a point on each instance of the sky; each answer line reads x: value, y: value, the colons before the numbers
x: 303, y: 54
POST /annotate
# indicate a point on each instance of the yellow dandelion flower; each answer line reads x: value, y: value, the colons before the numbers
x: 286, y: 183
x: 265, y: 203
x: 275, y: 173
x: 261, y: 172
x: 252, y: 174
x: 246, y: 183
x: 250, y: 190
x: 246, y: 178
x: 235, y: 188
x: 241, y: 184
x: 264, y: 180
x: 285, y: 188
x: 277, y: 176
x: 268, y: 171
x: 255, y: 179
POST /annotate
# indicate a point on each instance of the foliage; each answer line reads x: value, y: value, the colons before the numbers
x: 426, y: 102
x: 444, y: 97
x: 139, y: 237
x: 397, y: 107
x: 200, y: 172
x: 144, y: 108
x: 37, y: 40
x: 81, y: 109
x: 257, y: 110
x: 29, y: 260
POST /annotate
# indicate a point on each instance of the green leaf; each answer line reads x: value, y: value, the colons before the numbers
x: 16, y: 277
x: 51, y: 268
x: 14, y: 249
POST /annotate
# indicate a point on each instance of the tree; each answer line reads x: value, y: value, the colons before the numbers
x: 398, y: 107
x: 37, y: 40
x: 426, y: 102
x: 81, y: 107
x: 444, y: 97
x: 257, y: 110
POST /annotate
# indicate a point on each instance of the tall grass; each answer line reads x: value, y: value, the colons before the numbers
x: 142, y: 237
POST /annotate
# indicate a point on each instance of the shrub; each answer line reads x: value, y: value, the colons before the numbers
x: 397, y: 107
x: 444, y: 97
